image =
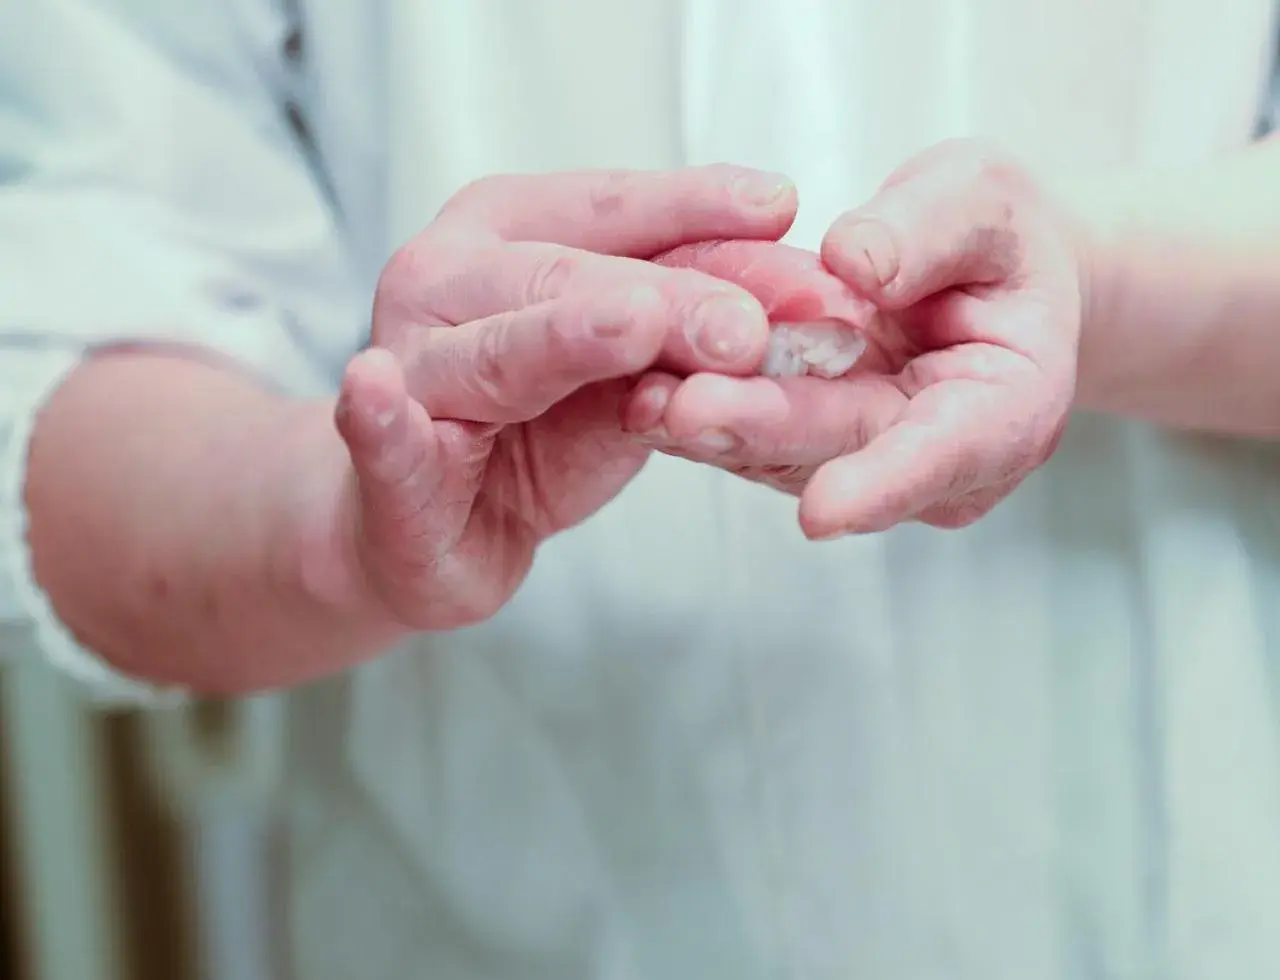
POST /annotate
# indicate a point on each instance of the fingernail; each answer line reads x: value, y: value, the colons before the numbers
x: 871, y: 241
x: 716, y: 441
x: 760, y: 190
x: 721, y: 329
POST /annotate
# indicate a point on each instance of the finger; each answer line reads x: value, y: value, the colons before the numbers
x: 628, y: 212
x: 512, y: 367
x: 953, y: 440
x: 791, y: 283
x: 762, y: 421
x: 950, y: 224
x: 395, y: 455
x: 819, y: 325
x: 708, y: 324
x: 642, y: 409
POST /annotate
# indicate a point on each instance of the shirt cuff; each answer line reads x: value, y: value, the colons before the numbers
x: 33, y: 377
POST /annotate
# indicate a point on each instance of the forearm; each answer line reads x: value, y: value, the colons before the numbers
x: 174, y: 508
x: 1182, y: 319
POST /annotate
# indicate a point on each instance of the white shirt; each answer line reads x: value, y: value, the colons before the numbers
x: 695, y: 745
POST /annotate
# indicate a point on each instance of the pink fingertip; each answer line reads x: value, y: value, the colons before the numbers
x: 644, y: 407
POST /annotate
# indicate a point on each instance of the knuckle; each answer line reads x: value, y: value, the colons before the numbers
x: 550, y: 277
x: 1006, y: 178
x: 985, y: 167
x: 567, y: 328
x: 406, y: 268
x: 396, y: 296
x: 491, y: 375
x: 577, y: 330
x: 610, y: 192
x: 410, y: 284
x: 1005, y: 183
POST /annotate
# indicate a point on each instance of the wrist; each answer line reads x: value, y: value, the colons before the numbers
x: 1091, y: 209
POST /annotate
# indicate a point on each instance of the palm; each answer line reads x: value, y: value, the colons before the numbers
x: 500, y: 490
x: 556, y: 470
x: 967, y: 362
x: 960, y: 393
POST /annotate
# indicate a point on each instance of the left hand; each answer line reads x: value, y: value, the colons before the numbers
x: 967, y: 281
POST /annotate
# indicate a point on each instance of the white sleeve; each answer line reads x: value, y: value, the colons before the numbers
x: 152, y: 190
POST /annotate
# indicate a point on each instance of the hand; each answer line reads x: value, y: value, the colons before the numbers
x: 967, y: 283
x: 487, y: 417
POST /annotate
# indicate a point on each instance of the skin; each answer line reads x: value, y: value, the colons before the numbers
x: 513, y: 393
x: 484, y: 420
x: 995, y: 305
x: 969, y: 378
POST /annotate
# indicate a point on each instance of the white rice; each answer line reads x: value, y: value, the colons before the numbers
x: 825, y: 349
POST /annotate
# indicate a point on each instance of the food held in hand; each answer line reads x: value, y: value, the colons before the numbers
x: 819, y: 326
x: 824, y: 349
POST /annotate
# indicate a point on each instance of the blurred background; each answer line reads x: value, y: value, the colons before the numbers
x: 134, y: 845
x: 143, y: 846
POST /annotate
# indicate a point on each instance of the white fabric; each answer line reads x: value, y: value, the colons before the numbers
x: 110, y: 229
x: 696, y: 745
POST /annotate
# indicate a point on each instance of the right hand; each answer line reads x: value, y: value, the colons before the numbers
x: 486, y: 416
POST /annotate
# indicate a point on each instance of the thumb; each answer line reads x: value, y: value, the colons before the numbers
x: 395, y: 456
x: 948, y: 222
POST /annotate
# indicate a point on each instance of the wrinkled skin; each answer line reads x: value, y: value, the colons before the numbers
x: 967, y: 282
x: 538, y: 340
x: 507, y: 335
